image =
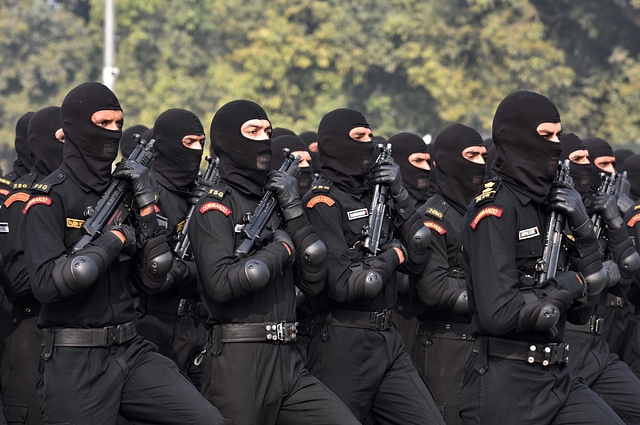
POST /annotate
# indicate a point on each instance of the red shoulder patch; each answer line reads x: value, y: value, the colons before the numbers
x: 156, y: 209
x: 634, y: 220
x: 320, y: 199
x: 20, y: 196
x: 36, y: 200
x: 4, y: 192
x: 485, y: 212
x: 217, y: 206
x: 435, y: 226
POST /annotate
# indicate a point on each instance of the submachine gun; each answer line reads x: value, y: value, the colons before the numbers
x: 547, y: 266
x: 116, y: 203
x: 265, y: 217
x: 211, y: 175
x: 608, y: 186
x: 373, y: 230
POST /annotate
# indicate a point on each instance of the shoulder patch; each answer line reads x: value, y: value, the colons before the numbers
x: 45, y: 187
x: 18, y: 186
x: 74, y: 223
x: 485, y: 212
x: 322, y: 186
x: 4, y: 192
x: 632, y: 222
x: 435, y: 227
x: 488, y: 191
x: 156, y: 208
x: 20, y: 196
x: 320, y: 199
x: 216, y: 206
x: 434, y: 213
x: 36, y: 200
x: 5, y: 181
x: 217, y: 193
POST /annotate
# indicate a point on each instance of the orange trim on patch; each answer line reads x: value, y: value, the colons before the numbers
x: 4, y: 192
x: 435, y: 226
x: 36, y: 200
x: 485, y: 212
x: 20, y: 196
x: 320, y: 199
x: 634, y: 220
x: 215, y: 206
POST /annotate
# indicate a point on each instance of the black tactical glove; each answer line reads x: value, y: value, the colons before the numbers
x: 138, y: 177
x: 605, y: 205
x: 566, y: 200
x: 286, y: 189
x: 624, y: 203
x: 388, y: 173
x: 201, y: 189
x: 282, y: 236
x: 396, y: 243
x: 126, y: 231
x: 574, y: 284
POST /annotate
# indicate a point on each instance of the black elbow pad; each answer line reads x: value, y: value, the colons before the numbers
x: 248, y: 276
x: 630, y: 263
x: 159, y: 265
x: 314, y: 254
x: 74, y: 274
x: 421, y: 238
x: 597, y: 281
x: 365, y: 284
x: 461, y: 303
x: 539, y: 316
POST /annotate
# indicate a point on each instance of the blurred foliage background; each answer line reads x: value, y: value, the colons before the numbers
x: 408, y: 65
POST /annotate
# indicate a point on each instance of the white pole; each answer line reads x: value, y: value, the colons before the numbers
x: 109, y: 72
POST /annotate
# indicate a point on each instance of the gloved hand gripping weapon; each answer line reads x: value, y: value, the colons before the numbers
x: 373, y: 230
x: 265, y: 217
x: 608, y: 187
x: 116, y: 203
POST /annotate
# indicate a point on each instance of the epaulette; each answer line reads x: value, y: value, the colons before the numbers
x: 322, y: 186
x: 218, y: 192
x: 436, y: 213
x: 488, y: 191
x: 46, y: 185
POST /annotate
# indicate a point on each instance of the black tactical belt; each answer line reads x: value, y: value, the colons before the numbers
x: 278, y: 332
x: 614, y: 301
x: 545, y: 354
x: 372, y: 320
x: 594, y: 326
x: 102, y: 337
x: 450, y: 330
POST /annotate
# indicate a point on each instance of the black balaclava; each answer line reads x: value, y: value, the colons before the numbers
x: 580, y: 173
x: 176, y: 166
x: 46, y: 149
x: 312, y: 137
x: 597, y: 148
x: 345, y: 161
x: 127, y: 145
x: 524, y: 158
x: 415, y: 179
x: 279, y: 131
x: 244, y: 162
x: 621, y: 155
x: 491, y: 156
x: 632, y: 167
x: 23, y: 162
x: 89, y: 149
x: 458, y: 178
x: 294, y: 143
x: 433, y: 174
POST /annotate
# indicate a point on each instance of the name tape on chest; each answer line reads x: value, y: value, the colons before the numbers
x: 320, y: 199
x: 35, y: 201
x: 162, y: 221
x: 4, y: 227
x: 356, y: 214
x: 435, y: 227
x: 528, y: 233
x: 74, y: 223
x: 215, y: 206
x: 16, y: 197
x: 632, y: 222
x: 486, y: 212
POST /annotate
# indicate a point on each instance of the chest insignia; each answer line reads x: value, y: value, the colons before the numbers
x: 20, y: 196
x: 74, y: 223
x: 528, y: 233
x: 4, y: 227
x: 356, y: 214
x: 435, y: 227
x: 485, y: 212
x: 216, y: 206
x: 634, y: 220
x: 320, y: 199
x: 36, y: 200
x: 488, y: 191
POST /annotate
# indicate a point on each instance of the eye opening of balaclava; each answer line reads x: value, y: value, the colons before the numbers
x: 524, y: 159
x: 175, y: 165
x: 458, y: 178
x: 89, y: 149
x: 46, y: 149
x: 23, y: 162
x: 597, y: 147
x: 344, y: 161
x: 580, y: 173
x: 416, y: 180
x: 244, y: 162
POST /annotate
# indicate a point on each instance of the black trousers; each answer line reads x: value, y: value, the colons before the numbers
x: 264, y: 383
x: 90, y: 386
x: 502, y: 391
x: 373, y: 374
x: 20, y: 372
x: 631, y: 351
x: 604, y: 373
x: 441, y: 357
